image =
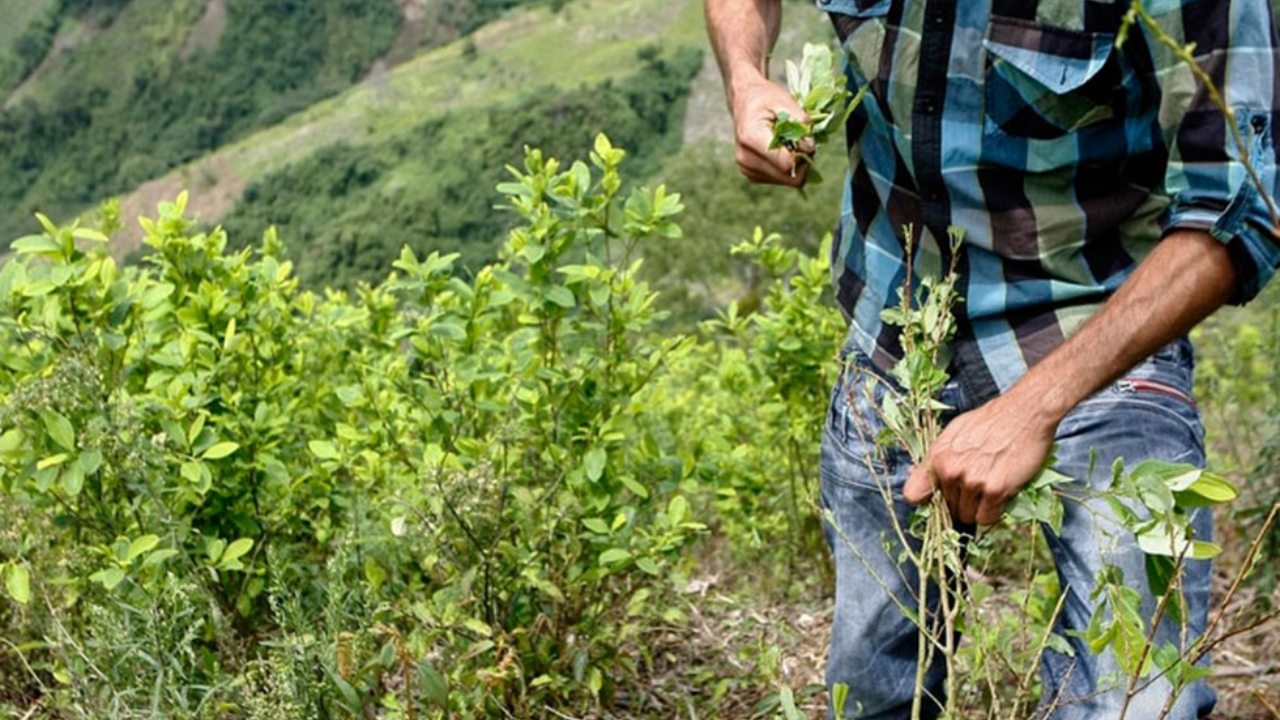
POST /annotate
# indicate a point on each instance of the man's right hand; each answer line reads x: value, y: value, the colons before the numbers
x: 755, y: 105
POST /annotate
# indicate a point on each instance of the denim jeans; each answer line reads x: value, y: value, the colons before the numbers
x: 1149, y: 414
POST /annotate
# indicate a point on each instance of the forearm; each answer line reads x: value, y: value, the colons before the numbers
x: 742, y: 33
x: 1184, y: 279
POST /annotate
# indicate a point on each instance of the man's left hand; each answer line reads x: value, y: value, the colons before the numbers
x: 983, y: 458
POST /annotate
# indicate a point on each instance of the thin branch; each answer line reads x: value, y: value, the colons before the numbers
x: 1183, y: 53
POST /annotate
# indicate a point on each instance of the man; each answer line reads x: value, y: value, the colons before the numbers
x: 1106, y: 212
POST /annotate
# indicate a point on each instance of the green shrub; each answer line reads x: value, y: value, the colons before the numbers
x: 746, y: 408
x: 439, y: 493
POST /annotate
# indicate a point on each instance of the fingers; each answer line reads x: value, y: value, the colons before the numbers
x: 991, y: 510
x: 778, y: 166
x: 807, y: 146
x: 919, y: 487
x: 754, y: 118
x: 966, y: 495
x: 965, y: 498
x: 972, y: 499
x: 980, y: 461
x: 950, y: 482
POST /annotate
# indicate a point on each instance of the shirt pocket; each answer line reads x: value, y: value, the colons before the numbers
x: 1044, y: 82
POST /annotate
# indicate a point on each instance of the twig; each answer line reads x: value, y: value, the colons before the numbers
x: 1210, y: 644
x: 1243, y: 572
x: 1245, y: 672
x: 1024, y: 683
x: 1275, y: 713
x: 1215, y: 96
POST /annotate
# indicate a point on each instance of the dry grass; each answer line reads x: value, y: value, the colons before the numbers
x: 746, y: 629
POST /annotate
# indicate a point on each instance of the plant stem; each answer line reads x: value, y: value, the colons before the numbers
x: 1215, y: 96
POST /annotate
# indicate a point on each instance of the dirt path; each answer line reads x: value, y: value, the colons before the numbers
x: 705, y: 114
x: 412, y: 30
x: 213, y: 189
x: 64, y: 41
x: 207, y: 31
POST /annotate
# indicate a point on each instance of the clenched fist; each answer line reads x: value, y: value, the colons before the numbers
x: 983, y: 458
x: 754, y: 107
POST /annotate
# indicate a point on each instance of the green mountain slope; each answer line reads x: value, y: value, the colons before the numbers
x: 419, y: 136
x: 136, y: 95
x: 346, y: 210
x: 411, y: 151
x: 101, y: 96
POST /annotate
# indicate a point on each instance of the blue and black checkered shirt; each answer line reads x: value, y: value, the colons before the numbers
x: 1063, y: 156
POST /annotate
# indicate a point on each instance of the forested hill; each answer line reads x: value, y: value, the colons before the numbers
x: 358, y: 126
x: 126, y: 89
x: 101, y: 96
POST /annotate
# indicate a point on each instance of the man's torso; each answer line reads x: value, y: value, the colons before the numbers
x: 1023, y: 124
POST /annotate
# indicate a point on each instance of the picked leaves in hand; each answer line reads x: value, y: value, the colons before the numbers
x: 819, y: 86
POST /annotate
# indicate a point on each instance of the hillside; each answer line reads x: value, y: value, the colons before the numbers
x: 392, y: 158
x: 131, y: 88
x: 102, y: 95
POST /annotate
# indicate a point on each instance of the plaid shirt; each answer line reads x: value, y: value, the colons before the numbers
x: 1063, y: 157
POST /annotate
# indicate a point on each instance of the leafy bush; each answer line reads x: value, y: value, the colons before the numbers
x: 746, y: 406
x: 446, y: 494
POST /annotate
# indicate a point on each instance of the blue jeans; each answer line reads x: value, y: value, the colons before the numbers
x: 1149, y: 414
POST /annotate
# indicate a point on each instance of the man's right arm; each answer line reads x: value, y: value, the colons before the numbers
x: 742, y: 34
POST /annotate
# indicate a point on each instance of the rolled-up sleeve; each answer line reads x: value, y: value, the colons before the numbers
x: 1207, y: 181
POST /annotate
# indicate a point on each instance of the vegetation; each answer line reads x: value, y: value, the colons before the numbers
x: 818, y: 85
x: 414, y: 456
x: 482, y: 506
x: 469, y: 535
x: 347, y: 210
x: 102, y: 126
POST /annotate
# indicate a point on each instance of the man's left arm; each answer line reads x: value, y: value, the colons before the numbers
x: 1219, y: 246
